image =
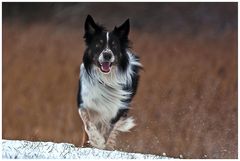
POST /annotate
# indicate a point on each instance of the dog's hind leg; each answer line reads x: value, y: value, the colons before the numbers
x: 122, y: 125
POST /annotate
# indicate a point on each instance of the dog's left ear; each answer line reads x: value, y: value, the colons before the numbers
x: 123, y: 30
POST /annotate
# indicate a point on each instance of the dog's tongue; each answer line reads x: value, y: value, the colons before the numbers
x: 105, y: 67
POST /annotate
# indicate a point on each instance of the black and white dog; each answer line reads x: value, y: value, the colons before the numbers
x: 108, y: 81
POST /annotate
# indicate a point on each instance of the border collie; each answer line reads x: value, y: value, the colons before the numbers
x: 108, y: 81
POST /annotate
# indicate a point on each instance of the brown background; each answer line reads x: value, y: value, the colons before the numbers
x: 187, y: 99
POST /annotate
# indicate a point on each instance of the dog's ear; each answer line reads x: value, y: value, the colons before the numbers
x: 90, y: 26
x: 123, y: 30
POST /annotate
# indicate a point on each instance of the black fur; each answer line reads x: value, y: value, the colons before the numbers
x: 95, y: 38
x: 121, y: 113
x: 91, y: 29
x: 134, y: 85
x: 79, y: 97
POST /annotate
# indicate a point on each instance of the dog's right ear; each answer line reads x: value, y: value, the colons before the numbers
x: 90, y: 26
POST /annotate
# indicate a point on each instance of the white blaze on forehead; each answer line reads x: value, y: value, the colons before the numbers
x: 107, y: 35
x: 106, y: 49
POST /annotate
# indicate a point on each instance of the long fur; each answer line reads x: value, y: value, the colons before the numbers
x: 107, y: 89
x: 104, y: 99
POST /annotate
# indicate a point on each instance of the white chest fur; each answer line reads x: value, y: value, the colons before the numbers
x: 103, y: 93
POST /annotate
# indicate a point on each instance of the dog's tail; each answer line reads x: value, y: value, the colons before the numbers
x: 122, y: 125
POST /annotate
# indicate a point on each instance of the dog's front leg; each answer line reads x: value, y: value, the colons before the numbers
x: 95, y: 138
x: 85, y: 118
x: 111, y: 138
x: 85, y: 139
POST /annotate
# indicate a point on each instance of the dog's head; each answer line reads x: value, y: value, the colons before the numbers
x: 105, y: 49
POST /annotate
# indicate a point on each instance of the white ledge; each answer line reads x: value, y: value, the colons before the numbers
x: 14, y: 149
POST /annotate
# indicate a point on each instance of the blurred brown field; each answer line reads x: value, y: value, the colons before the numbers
x: 186, y: 102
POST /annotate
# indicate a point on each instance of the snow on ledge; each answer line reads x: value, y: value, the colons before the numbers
x: 14, y: 149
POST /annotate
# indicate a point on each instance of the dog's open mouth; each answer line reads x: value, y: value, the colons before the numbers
x: 105, y: 67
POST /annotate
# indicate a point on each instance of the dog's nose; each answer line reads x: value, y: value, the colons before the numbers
x: 107, y: 56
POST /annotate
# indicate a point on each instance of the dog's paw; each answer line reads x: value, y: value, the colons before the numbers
x: 86, y: 144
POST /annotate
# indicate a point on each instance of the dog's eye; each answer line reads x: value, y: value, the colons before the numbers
x: 98, y: 45
x: 114, y: 44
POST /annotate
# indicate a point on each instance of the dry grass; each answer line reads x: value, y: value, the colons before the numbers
x: 186, y: 103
